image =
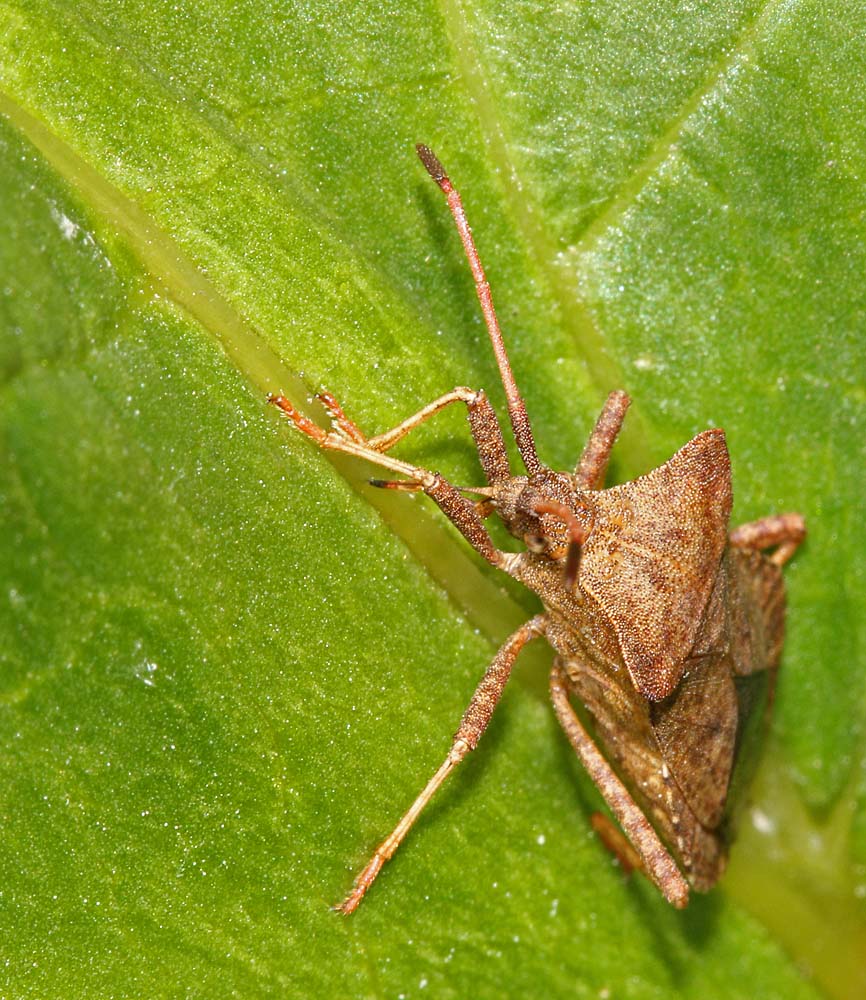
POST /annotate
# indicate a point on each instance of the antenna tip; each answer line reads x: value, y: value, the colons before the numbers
x: 433, y: 166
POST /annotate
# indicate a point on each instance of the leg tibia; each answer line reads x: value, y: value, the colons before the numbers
x: 616, y: 842
x: 482, y: 422
x: 786, y: 531
x: 472, y: 726
x: 657, y: 861
x: 460, y: 511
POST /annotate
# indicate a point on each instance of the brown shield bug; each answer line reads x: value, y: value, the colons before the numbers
x: 667, y: 627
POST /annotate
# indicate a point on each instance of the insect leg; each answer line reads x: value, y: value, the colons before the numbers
x: 472, y: 726
x: 658, y: 863
x: 616, y: 842
x: 786, y: 531
x: 593, y: 462
x: 341, y: 422
x: 462, y: 513
x: 482, y: 422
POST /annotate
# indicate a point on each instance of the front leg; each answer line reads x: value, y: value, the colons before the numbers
x: 483, y: 424
x: 657, y: 861
x: 592, y: 466
x: 462, y: 513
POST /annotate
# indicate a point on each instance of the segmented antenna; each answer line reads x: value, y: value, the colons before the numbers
x: 576, y: 536
x: 516, y: 406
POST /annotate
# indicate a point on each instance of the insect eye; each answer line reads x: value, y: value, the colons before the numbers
x: 535, y: 543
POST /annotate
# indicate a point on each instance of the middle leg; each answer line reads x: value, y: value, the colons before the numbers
x: 472, y: 726
x: 617, y: 843
x: 784, y: 531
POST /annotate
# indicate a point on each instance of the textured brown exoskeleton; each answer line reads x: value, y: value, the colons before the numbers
x: 665, y: 625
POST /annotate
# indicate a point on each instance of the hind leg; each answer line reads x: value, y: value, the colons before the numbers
x: 656, y: 859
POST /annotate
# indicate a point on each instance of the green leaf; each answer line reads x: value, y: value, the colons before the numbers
x: 227, y: 663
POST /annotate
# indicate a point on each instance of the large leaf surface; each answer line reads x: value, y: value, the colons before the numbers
x: 226, y: 663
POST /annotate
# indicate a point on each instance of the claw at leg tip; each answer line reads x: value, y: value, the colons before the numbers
x: 349, y: 904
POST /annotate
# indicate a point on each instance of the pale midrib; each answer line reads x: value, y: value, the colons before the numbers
x: 326, y: 226
x: 373, y: 284
x: 431, y: 542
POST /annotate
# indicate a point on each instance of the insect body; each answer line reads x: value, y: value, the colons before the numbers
x: 665, y: 625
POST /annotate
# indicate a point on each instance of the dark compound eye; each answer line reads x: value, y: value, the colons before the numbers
x: 535, y: 543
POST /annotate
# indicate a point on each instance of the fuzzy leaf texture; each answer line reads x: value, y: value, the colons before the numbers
x: 226, y: 663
